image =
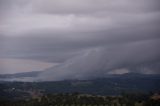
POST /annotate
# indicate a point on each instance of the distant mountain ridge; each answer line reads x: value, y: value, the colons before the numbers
x: 35, y: 74
x: 20, y: 75
x: 111, y: 85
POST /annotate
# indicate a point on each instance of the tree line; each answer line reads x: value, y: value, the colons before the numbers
x: 76, y: 99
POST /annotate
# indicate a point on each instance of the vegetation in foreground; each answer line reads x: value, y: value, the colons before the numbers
x: 76, y: 99
x: 60, y: 93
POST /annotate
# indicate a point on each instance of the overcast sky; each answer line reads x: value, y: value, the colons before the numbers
x: 86, y: 38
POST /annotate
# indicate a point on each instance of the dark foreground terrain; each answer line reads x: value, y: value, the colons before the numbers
x: 118, y: 90
x: 76, y: 99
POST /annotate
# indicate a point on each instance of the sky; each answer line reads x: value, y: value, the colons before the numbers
x: 79, y: 39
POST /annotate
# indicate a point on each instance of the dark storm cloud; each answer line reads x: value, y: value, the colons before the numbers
x: 139, y: 57
x: 90, y: 38
x: 90, y: 6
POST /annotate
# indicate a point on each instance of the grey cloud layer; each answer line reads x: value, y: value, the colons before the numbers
x: 139, y: 57
x: 90, y: 38
x: 93, y: 6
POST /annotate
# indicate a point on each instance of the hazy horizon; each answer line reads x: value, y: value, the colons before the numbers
x: 83, y: 38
